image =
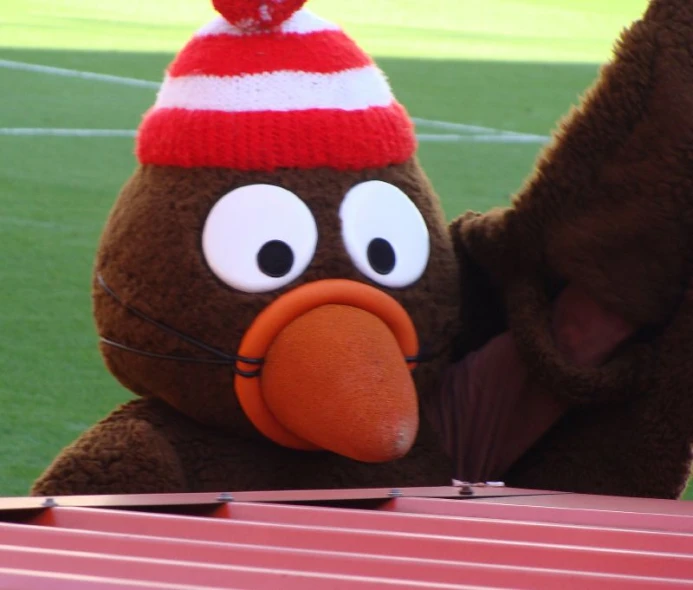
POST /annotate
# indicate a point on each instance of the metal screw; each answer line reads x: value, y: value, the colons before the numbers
x: 395, y: 493
x: 49, y: 503
x: 464, y: 487
x: 225, y: 497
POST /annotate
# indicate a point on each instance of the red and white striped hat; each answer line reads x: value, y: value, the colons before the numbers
x: 270, y: 85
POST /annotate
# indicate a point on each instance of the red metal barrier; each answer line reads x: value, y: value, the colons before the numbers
x: 411, y: 538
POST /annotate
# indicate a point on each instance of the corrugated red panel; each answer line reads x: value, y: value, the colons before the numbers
x: 339, y: 539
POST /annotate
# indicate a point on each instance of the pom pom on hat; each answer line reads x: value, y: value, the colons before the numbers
x: 257, y: 15
x: 270, y: 85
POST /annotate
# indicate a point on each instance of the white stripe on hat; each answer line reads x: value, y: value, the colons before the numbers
x: 349, y: 90
x: 302, y: 22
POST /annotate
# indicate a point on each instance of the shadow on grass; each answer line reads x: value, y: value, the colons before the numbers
x: 531, y: 94
x: 525, y: 97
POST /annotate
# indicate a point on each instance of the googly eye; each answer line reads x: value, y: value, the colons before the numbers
x: 385, y: 234
x: 259, y: 238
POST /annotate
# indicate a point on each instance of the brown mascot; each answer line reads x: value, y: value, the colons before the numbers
x: 608, y: 213
x: 279, y: 263
x: 270, y: 275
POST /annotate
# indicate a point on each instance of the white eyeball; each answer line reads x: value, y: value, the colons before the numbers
x: 259, y: 238
x: 385, y: 234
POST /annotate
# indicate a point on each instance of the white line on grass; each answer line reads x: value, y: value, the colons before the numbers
x: 36, y: 132
x: 447, y: 126
x: 26, y: 67
x: 423, y: 137
x: 24, y: 223
x: 33, y: 223
x: 443, y: 125
x: 492, y: 138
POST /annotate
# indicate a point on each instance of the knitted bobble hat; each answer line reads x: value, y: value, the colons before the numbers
x: 269, y: 85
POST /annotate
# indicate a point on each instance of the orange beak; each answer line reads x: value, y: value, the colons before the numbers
x: 335, y: 374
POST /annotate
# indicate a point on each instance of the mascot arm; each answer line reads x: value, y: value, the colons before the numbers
x: 123, y: 455
x: 607, y: 213
x: 566, y: 335
x: 639, y: 448
x: 605, y: 210
x: 493, y: 407
x: 624, y: 416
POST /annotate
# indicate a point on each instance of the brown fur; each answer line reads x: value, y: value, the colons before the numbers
x: 610, y: 208
x: 189, y: 433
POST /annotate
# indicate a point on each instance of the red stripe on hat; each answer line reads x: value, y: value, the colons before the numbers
x: 344, y: 140
x: 228, y: 55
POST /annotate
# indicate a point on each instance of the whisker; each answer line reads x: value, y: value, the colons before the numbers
x: 188, y: 359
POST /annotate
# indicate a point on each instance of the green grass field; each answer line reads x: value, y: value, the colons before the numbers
x: 509, y: 65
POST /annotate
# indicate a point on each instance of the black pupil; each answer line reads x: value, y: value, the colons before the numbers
x: 381, y: 256
x: 275, y: 259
